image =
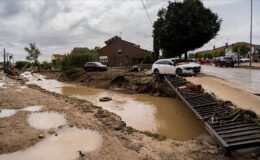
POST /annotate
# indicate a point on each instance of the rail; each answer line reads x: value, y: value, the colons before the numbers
x: 231, y: 131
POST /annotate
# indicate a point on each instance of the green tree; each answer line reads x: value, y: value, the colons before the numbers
x: 184, y: 26
x: 157, y: 32
x: 33, y: 53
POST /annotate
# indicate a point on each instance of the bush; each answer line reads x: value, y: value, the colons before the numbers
x: 21, y: 64
x: 46, y: 65
x: 76, y: 60
x: 148, y: 59
x: 73, y: 73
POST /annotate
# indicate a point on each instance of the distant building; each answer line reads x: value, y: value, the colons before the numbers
x: 80, y: 50
x: 57, y: 57
x: 119, y: 52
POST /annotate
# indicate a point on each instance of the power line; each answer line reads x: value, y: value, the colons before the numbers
x: 147, y: 13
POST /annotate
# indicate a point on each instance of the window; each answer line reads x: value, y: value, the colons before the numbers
x: 103, y: 59
x: 119, y: 51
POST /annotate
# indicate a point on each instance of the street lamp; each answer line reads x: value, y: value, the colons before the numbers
x: 250, y: 54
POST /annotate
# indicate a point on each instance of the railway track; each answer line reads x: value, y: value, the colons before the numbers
x: 230, y: 128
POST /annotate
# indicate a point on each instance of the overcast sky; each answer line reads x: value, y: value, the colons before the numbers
x: 57, y: 26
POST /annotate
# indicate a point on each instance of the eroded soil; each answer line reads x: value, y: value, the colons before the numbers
x: 119, y: 141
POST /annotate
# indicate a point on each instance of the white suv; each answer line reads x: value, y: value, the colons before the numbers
x: 175, y: 66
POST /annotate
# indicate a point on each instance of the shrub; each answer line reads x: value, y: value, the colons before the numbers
x: 21, y: 64
x: 46, y: 65
x: 148, y: 59
x: 76, y: 60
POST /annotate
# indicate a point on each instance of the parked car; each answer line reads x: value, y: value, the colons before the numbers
x: 94, y: 66
x: 175, y: 66
x: 225, y: 61
x: 244, y: 60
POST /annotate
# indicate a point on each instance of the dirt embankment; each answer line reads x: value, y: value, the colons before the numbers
x: 119, y: 80
x: 119, y: 141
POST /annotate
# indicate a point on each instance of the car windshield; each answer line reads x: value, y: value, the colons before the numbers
x: 228, y: 58
x: 180, y: 61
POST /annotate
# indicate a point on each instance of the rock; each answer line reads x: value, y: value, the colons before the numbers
x: 41, y: 136
x: 51, y: 131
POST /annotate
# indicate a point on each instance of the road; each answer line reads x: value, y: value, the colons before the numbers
x: 248, y: 79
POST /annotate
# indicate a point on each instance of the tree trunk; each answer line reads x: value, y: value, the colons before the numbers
x: 186, y: 55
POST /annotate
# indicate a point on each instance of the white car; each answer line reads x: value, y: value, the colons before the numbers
x: 175, y: 66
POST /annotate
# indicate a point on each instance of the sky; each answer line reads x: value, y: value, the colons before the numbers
x: 57, y: 26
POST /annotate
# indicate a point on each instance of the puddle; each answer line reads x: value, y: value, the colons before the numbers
x: 34, y: 108
x: 7, y: 112
x: 167, y: 116
x: 65, y: 146
x: 46, y: 120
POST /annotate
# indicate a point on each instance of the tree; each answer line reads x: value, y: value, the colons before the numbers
x: 157, y: 32
x: 184, y: 26
x: 33, y: 53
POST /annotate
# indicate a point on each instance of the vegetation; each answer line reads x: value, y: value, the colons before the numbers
x: 241, y: 49
x: 184, y: 26
x: 72, y: 64
x: 33, y: 53
x: 148, y: 59
x: 46, y: 65
x: 21, y: 64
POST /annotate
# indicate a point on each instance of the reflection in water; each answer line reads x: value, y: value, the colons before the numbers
x: 167, y: 116
x: 46, y: 120
x: 65, y: 146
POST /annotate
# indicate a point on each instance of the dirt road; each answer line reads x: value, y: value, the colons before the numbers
x: 118, y: 141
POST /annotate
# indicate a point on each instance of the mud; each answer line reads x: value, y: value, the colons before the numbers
x: 162, y: 115
x: 228, y: 91
x: 119, y: 141
x: 120, y: 80
x: 65, y: 145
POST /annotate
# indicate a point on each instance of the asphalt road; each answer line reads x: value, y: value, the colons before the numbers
x: 248, y: 79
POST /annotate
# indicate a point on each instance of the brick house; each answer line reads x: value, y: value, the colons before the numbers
x: 119, y: 52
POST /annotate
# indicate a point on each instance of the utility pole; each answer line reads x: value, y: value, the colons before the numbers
x: 250, y: 56
x: 4, y: 60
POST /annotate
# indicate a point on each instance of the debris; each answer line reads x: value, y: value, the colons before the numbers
x: 81, y: 154
x: 105, y: 99
x: 41, y: 136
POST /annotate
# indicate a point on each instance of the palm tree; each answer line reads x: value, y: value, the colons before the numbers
x: 33, y: 53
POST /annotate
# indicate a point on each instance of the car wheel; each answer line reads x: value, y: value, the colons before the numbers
x: 178, y: 71
x: 156, y: 72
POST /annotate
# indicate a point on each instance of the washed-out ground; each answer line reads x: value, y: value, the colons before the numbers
x: 119, y: 141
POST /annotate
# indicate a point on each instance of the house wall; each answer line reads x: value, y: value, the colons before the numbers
x: 122, y: 53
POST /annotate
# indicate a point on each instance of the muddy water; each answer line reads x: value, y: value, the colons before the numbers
x: 7, y: 112
x: 65, y: 145
x: 46, y: 120
x: 167, y: 116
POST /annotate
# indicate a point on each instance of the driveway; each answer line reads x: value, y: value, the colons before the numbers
x: 248, y: 79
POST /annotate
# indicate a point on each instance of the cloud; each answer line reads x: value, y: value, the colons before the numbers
x: 59, y: 25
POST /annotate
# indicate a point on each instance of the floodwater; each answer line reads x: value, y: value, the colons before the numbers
x: 64, y: 146
x: 248, y: 79
x: 34, y: 108
x: 46, y: 120
x: 10, y: 112
x: 167, y: 116
x: 7, y: 112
